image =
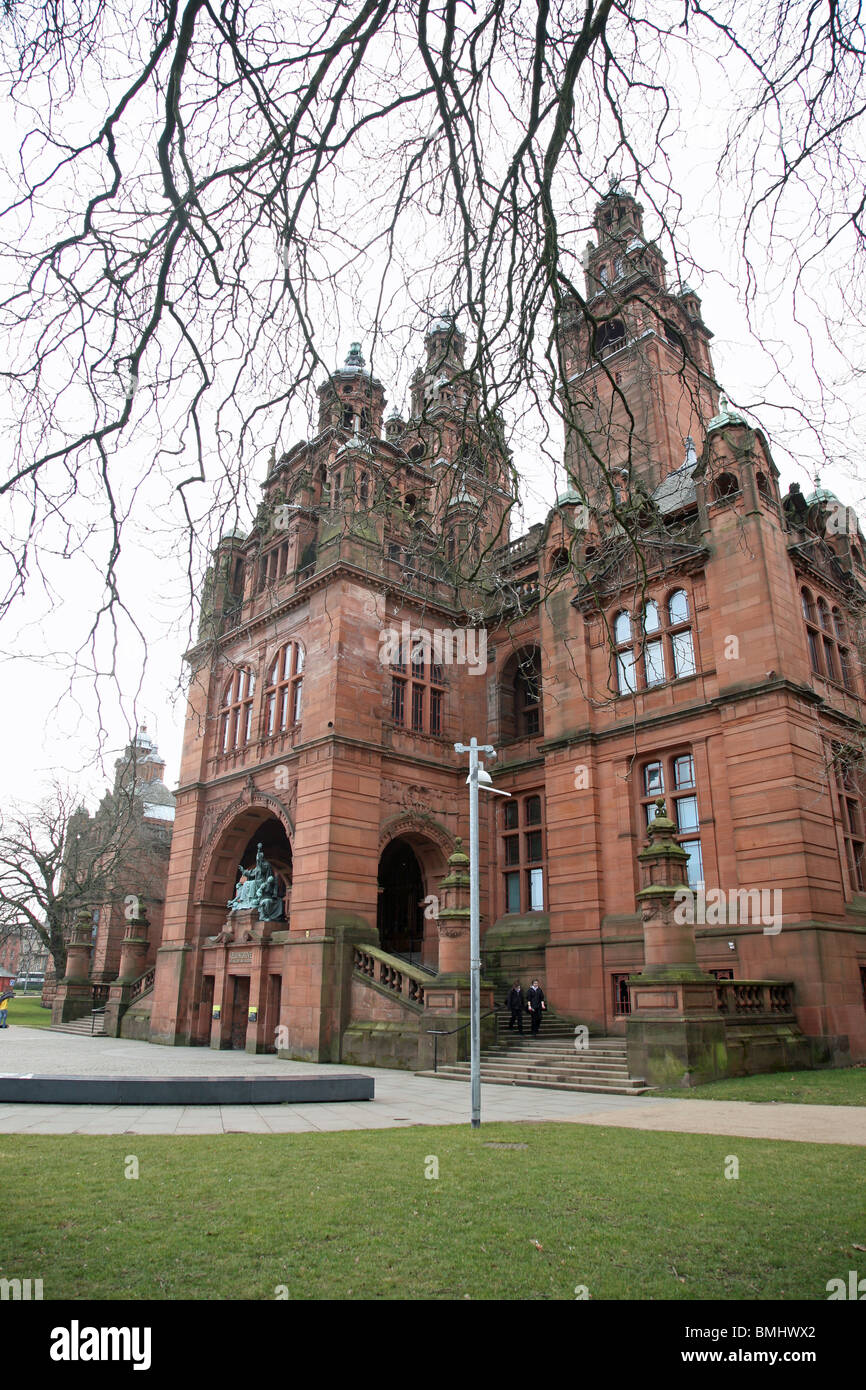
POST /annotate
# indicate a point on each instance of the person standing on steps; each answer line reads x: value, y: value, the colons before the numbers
x: 515, y: 1003
x: 536, y: 1005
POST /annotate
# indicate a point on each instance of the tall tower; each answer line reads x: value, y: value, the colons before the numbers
x: 636, y: 358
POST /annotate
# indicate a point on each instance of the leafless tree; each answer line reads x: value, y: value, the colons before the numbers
x: 57, y: 860
x: 205, y: 193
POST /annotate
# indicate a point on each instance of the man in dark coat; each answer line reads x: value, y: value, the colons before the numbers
x: 536, y: 1004
x: 515, y: 1003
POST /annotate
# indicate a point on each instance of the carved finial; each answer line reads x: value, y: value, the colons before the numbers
x: 355, y: 357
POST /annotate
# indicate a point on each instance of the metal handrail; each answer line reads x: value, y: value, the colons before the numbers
x: 93, y: 1016
x: 437, y: 1033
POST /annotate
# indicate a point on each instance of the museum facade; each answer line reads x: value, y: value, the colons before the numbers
x: 676, y: 628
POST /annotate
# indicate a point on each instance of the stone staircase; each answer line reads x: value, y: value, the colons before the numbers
x: 551, y: 1061
x: 83, y: 1027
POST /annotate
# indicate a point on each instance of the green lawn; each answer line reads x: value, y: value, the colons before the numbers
x: 352, y: 1216
x: 846, y: 1086
x: 27, y: 1010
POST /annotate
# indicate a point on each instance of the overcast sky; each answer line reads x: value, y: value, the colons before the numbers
x: 60, y: 727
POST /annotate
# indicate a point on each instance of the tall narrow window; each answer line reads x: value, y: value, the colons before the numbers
x: 527, y: 695
x: 827, y: 641
x: 682, y: 645
x: 523, y: 854
x: 674, y: 778
x: 283, y: 690
x: 849, y: 791
x: 626, y: 681
x: 236, y: 710
x: 398, y: 701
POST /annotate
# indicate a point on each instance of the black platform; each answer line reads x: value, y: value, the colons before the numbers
x: 184, y: 1090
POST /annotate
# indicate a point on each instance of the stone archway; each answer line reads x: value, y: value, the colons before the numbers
x: 411, y: 866
x: 233, y: 844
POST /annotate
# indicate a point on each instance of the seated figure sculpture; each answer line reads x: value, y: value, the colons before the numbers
x: 270, y: 905
x: 257, y: 888
x: 246, y: 892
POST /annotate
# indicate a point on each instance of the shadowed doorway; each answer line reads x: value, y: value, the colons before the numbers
x: 400, y: 916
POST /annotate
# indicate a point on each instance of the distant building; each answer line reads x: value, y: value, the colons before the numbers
x: 141, y: 874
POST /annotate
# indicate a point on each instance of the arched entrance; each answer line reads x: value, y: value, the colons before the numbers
x: 400, y: 915
x: 229, y: 978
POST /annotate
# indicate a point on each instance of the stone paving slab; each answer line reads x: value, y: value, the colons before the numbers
x: 810, y: 1124
x: 401, y: 1099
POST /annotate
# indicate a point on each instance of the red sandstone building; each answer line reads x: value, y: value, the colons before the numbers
x: 676, y: 627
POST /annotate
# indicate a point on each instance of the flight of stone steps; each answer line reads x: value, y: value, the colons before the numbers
x: 84, y: 1027
x: 551, y: 1061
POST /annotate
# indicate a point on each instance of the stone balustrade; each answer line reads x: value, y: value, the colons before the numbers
x: 142, y: 984
x: 754, y: 998
x: 401, y: 979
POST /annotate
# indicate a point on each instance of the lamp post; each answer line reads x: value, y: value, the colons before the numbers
x: 478, y: 776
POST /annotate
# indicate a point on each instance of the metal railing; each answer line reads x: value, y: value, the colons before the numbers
x: 437, y: 1033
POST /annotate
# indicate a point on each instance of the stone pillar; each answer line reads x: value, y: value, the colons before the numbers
x: 675, y: 1035
x: 133, y: 950
x: 453, y: 919
x: 133, y: 956
x: 447, y: 997
x: 74, y: 997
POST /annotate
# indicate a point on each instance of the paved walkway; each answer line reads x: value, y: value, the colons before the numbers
x: 401, y: 1099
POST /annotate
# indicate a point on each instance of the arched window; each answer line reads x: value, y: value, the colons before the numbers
x: 559, y: 561
x: 283, y: 690
x: 812, y: 634
x: 841, y: 634
x: 828, y: 641
x: 609, y: 336
x: 682, y: 643
x: 653, y: 647
x: 336, y: 489
x: 764, y: 486
x: 365, y: 490
x: 662, y: 650
x: 626, y: 681
x: 674, y: 338
x: 725, y: 486
x: 527, y: 696
x: 320, y: 483
x: 603, y: 275
x: 416, y: 452
x: 520, y: 696
x: 236, y: 710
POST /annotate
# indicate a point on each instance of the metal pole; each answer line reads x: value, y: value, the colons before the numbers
x: 474, y: 940
x: 473, y: 749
